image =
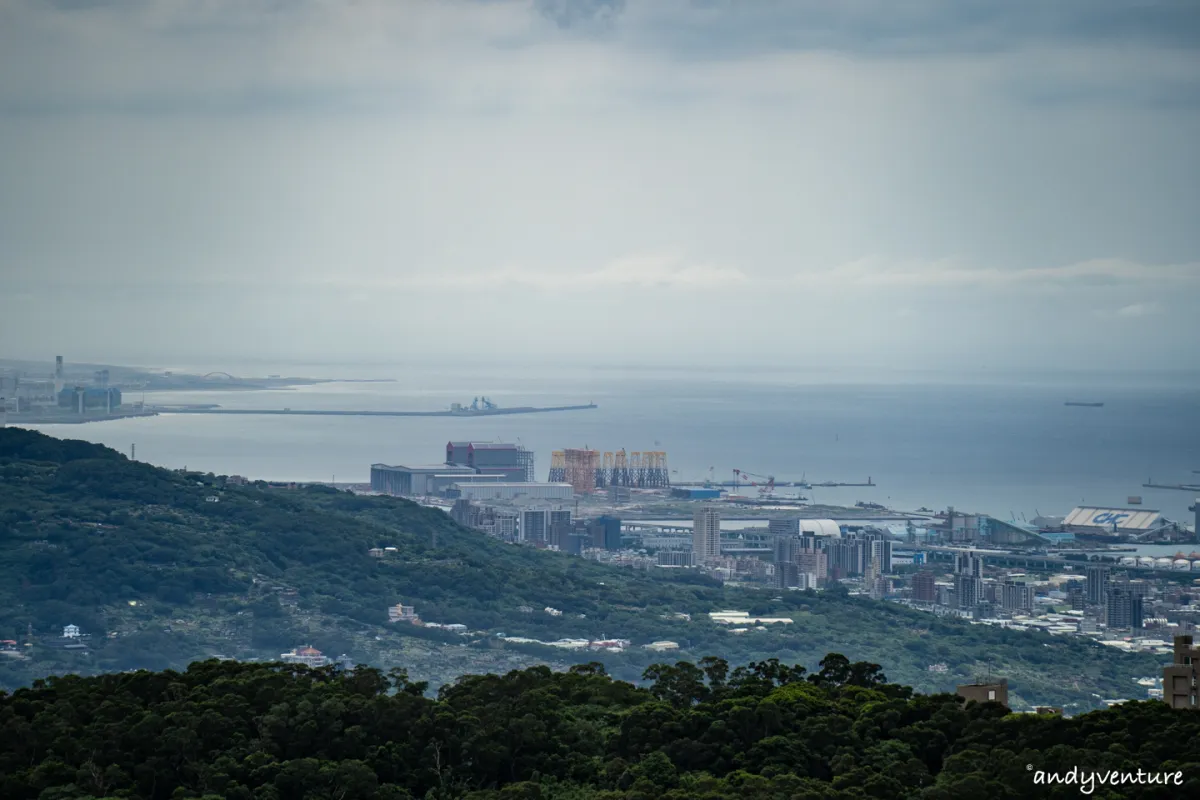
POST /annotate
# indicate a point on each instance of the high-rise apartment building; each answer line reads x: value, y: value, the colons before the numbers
x: 606, y: 533
x: 784, y: 547
x: 1180, y: 677
x: 968, y: 564
x: 1016, y: 596
x: 968, y: 591
x: 881, y: 555
x: 706, y: 534
x: 813, y: 562
x: 1097, y: 584
x: 535, y: 525
x: 1123, y: 608
x: 783, y: 527
x: 924, y: 590
x: 787, y: 575
x: 968, y: 580
x: 848, y: 556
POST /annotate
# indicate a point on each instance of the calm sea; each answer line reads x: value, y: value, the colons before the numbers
x: 1006, y: 446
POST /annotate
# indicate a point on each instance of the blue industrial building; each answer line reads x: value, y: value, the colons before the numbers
x: 696, y: 493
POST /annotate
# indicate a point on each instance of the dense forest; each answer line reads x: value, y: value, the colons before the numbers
x: 696, y: 731
x: 162, y: 568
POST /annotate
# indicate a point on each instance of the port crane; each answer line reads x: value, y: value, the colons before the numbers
x: 764, y: 489
x: 483, y: 404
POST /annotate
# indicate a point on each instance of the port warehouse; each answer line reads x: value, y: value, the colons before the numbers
x: 1122, y: 520
x: 466, y: 462
x: 512, y: 461
x: 410, y: 481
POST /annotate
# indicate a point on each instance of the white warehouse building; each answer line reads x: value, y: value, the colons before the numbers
x: 820, y: 527
x: 514, y: 491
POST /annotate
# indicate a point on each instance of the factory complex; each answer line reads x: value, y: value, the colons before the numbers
x: 63, y: 397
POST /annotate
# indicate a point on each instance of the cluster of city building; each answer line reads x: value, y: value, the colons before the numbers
x: 58, y: 393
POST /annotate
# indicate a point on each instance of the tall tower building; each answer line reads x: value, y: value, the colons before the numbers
x: 1097, y: 585
x: 881, y: 555
x: 1180, y: 678
x: 784, y: 527
x: 924, y: 589
x: 968, y: 590
x: 968, y: 564
x: 1123, y: 608
x: 706, y: 535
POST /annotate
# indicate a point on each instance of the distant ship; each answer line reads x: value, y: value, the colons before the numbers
x: 1085, y: 405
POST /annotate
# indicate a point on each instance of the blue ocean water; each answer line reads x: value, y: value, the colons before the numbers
x: 1004, y: 446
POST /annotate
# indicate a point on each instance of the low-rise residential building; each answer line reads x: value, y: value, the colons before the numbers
x: 403, y: 613
x: 985, y: 692
x: 307, y: 655
x: 744, y: 618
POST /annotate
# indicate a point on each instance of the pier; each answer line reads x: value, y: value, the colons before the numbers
x: 778, y: 483
x: 298, y: 412
x: 1179, y: 487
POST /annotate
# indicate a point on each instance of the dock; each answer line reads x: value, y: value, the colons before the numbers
x: 299, y: 412
x: 778, y: 484
x: 834, y: 484
x: 1179, y: 487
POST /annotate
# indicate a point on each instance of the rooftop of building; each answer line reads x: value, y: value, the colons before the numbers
x: 517, y: 484
x: 451, y: 469
x: 1123, y: 518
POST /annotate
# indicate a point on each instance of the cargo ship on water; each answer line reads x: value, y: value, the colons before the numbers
x: 1083, y: 404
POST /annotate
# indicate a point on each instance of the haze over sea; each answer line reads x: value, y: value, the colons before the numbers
x: 1002, y: 444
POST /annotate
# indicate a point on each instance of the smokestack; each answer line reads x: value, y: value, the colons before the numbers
x: 79, y: 395
x: 58, y: 367
x: 3, y: 411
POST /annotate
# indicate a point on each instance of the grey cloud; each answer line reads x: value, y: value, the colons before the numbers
x: 589, y: 15
x: 505, y: 146
x: 704, y: 29
x: 85, y: 5
x: 247, y: 103
x: 1171, y: 94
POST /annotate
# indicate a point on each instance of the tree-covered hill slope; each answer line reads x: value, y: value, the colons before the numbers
x: 162, y: 567
x: 701, y: 732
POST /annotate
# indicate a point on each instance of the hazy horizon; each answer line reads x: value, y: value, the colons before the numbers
x: 937, y: 185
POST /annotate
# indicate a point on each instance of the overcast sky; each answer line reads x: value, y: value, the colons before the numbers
x: 933, y: 183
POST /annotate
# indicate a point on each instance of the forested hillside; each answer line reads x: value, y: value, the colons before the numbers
x: 696, y: 732
x: 162, y: 568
